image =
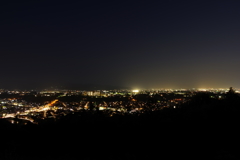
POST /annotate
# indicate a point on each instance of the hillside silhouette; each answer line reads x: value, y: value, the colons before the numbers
x: 204, y: 128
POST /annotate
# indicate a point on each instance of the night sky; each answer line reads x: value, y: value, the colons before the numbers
x: 124, y: 44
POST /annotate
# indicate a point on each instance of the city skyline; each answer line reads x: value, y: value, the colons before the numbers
x: 121, y: 44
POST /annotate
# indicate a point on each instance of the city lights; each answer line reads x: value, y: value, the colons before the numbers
x: 135, y: 91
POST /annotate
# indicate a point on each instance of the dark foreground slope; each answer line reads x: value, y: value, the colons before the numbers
x: 199, y: 130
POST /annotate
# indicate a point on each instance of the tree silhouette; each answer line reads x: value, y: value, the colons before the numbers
x: 232, y: 96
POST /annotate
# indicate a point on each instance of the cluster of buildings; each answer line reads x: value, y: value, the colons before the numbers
x: 14, y: 107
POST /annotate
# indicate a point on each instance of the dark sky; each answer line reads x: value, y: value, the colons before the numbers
x: 135, y: 44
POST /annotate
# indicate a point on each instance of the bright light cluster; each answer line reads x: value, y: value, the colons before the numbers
x: 135, y: 91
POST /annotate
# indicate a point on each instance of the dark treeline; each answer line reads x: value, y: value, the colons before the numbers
x: 204, y: 128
